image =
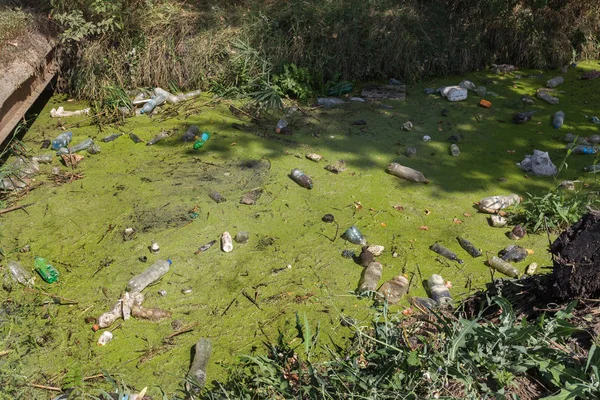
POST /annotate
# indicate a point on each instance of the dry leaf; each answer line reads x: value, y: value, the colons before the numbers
x: 457, y: 221
x: 407, y: 312
x: 423, y: 228
x: 530, y: 252
x: 372, y: 209
x: 233, y: 144
x: 398, y: 208
x: 467, y: 214
x: 427, y: 212
x: 383, y: 224
x: 358, y: 205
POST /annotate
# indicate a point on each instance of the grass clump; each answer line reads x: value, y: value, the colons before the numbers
x: 13, y: 22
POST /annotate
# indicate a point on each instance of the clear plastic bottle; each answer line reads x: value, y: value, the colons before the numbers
x: 78, y: 147
x: 370, y: 277
x: 161, y: 136
x: 43, y: 158
x: 554, y: 82
x: 191, y: 133
x: 202, y: 353
x: 559, y: 119
x: 20, y: 274
x: 504, y: 267
x: 547, y: 97
x: 153, y: 103
x: 594, y: 168
x: 105, y: 338
x: 282, y: 123
x: 242, y: 237
x: 394, y: 289
x: 150, y: 275
x: 593, y: 139
x: 492, y: 204
x: 581, y: 149
x: 454, y: 150
x: 438, y: 290
x: 406, y: 173
x: 62, y: 140
x: 353, y: 235
x: 301, y: 178
x: 329, y: 101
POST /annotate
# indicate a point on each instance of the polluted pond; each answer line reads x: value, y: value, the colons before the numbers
x: 160, y: 248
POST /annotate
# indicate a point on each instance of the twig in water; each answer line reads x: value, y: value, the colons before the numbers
x: 246, y: 295
x: 14, y: 208
x: 52, y: 295
x: 183, y: 330
x: 54, y: 389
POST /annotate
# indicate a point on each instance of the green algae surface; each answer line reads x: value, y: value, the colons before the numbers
x: 292, y: 262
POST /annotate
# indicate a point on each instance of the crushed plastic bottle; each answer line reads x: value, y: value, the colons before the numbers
x: 282, y: 123
x: 84, y: 145
x: 468, y: 85
x: 62, y: 140
x: 20, y: 274
x: 454, y: 150
x: 354, y: 236
x: 547, y: 97
x: 469, y: 247
x: 106, y: 337
x: 161, y: 136
x: 522, y: 117
x: 112, y: 137
x: 559, y: 119
x: 513, y: 253
x: 406, y: 173
x: 394, y: 289
x: 493, y: 204
x: 153, y: 103
x: 197, y: 372
x: 594, y: 168
x: 443, y: 251
x: 504, y: 267
x: 46, y: 271
x: 43, y: 158
x: 301, y: 178
x: 438, y: 290
x: 191, y: 133
x: 370, y: 277
x: 201, y: 141
x: 581, y: 149
x: 554, y: 82
x: 150, y: 275
x: 593, y: 139
x: 329, y: 101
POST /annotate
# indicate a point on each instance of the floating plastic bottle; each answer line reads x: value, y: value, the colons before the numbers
x: 191, y: 133
x: 153, y: 103
x: 406, y: 173
x: 78, y: 147
x: 559, y: 119
x: 282, y: 123
x: 370, y: 277
x: 410, y: 152
x: 554, y: 82
x: 301, y: 178
x: 513, y: 253
x: 135, y: 138
x: 105, y: 338
x: 493, y: 204
x: 581, y: 149
x: 593, y: 139
x: 150, y: 275
x: 202, y: 353
x: 329, y: 101
x: 161, y: 136
x: 522, y: 117
x: 547, y: 97
x: 442, y: 251
x: 594, y: 168
x: 469, y: 247
x: 438, y: 290
x: 454, y: 150
x: 216, y: 196
x: 205, y: 247
x: 226, y: 242
x: 46, y: 271
x: 242, y: 237
x: 504, y: 267
x: 112, y: 137
x: 201, y: 141
x: 466, y: 84
x: 354, y: 236
x: 365, y: 257
x: 394, y: 289
x: 20, y: 274
x: 62, y: 140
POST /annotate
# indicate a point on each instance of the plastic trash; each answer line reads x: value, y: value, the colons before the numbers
x: 301, y: 178
x: 105, y: 338
x: 241, y: 237
x: 454, y: 150
x: 504, y: 267
x: 46, y: 271
x: 530, y: 270
x: 594, y: 168
x: 593, y: 139
x: 426, y: 138
x: 216, y: 196
x: 354, y: 236
x: 410, y: 152
x: 442, y: 251
x: 558, y: 120
x: 201, y: 141
x: 492, y: 204
x: 370, y: 277
x: 60, y: 112
x: 522, y: 117
x: 554, y: 82
x: 329, y: 101
x: 112, y: 137
x: 365, y: 257
x: 43, y: 158
x: 469, y: 247
x: 438, y: 290
x: 481, y: 91
x: 149, y: 276
x: 547, y: 97
x: 62, y: 140
x: 20, y: 274
x: 582, y: 149
x: 153, y: 103
x: 503, y: 68
x: 161, y: 136
x: 498, y: 221
x: 191, y: 133
x: 539, y: 164
x: 394, y: 289
x: 517, y: 233
x: 197, y: 372
x: 406, y: 173
x: 282, y: 123
x: 74, y: 149
x: 595, y: 120
x: 226, y: 242
x: 513, y: 253
x: 466, y: 84
x: 485, y: 103
x: 454, y: 93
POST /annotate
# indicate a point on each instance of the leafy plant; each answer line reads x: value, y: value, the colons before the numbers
x: 294, y: 82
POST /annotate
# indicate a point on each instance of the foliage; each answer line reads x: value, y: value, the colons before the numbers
x: 553, y: 211
x: 294, y: 82
x: 436, y: 356
x: 13, y: 22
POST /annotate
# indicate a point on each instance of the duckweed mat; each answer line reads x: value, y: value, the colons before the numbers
x: 292, y: 262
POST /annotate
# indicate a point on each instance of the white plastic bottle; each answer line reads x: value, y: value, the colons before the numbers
x: 438, y: 290
x: 150, y: 275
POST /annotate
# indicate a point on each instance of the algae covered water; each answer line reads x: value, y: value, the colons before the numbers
x: 108, y: 218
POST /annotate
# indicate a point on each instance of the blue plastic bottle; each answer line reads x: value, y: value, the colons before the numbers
x: 62, y: 140
x: 559, y: 119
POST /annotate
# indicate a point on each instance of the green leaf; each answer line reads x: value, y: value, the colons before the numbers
x: 413, y: 359
x: 460, y: 339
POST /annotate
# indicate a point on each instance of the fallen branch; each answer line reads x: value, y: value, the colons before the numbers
x: 52, y: 388
x: 183, y: 330
x: 14, y: 208
x: 52, y: 295
x: 87, y: 378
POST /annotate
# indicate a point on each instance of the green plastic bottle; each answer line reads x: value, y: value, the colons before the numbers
x: 46, y: 271
x: 201, y: 140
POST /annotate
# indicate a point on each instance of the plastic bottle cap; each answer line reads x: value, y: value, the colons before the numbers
x: 170, y: 262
